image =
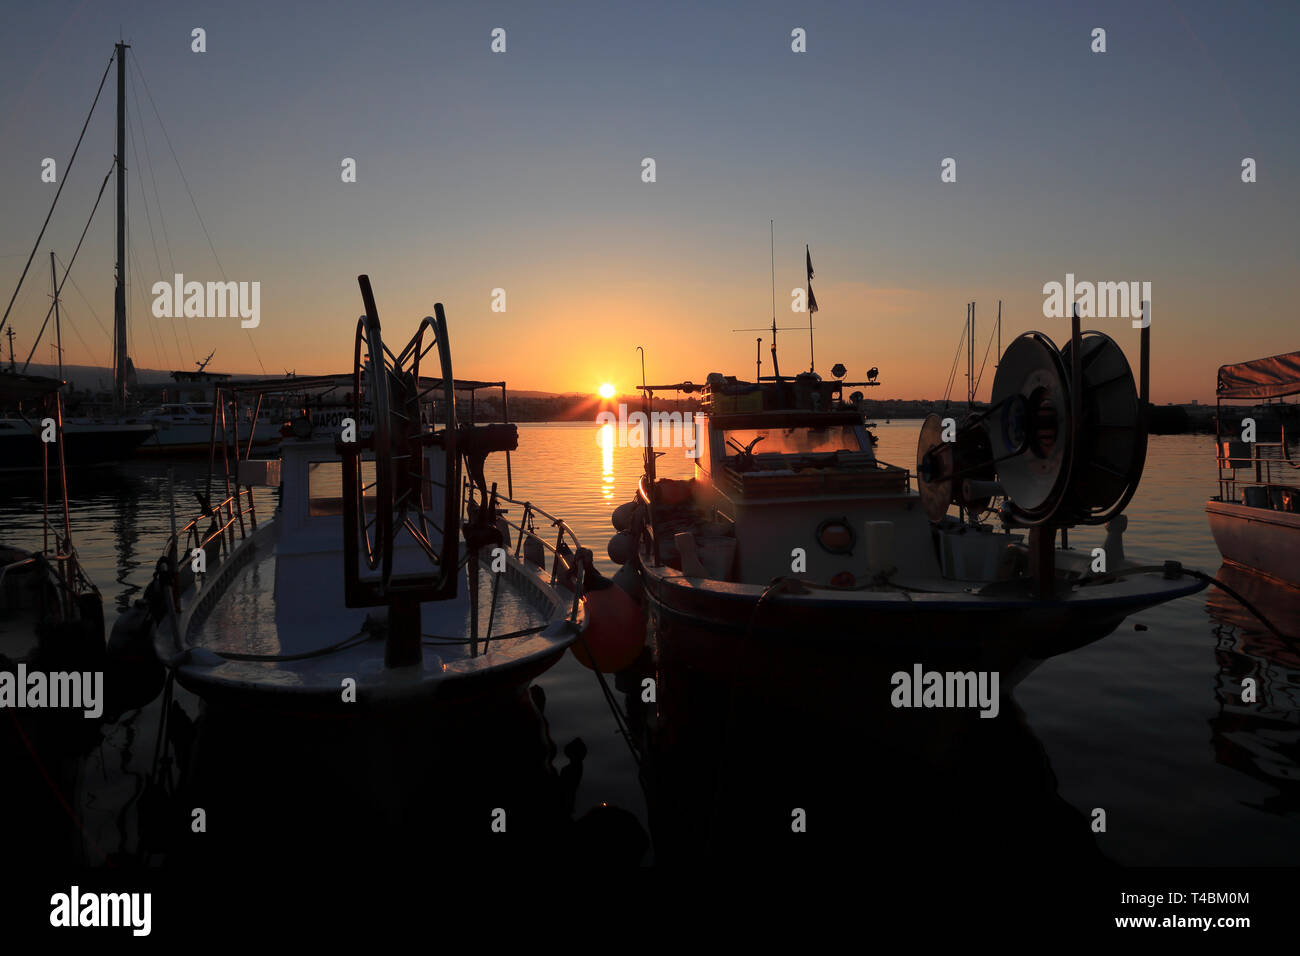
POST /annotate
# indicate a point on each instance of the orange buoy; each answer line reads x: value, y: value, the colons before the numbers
x: 614, y: 633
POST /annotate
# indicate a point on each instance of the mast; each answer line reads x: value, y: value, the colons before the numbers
x: 998, y: 359
x: 58, y: 334
x: 119, y: 295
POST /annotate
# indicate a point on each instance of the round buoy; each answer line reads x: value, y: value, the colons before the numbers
x: 627, y: 578
x: 615, y: 631
x: 620, y: 548
x: 621, y: 519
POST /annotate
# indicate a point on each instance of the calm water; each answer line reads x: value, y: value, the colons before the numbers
x: 1145, y: 723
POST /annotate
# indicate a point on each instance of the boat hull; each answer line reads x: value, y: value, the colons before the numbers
x: 237, y: 614
x: 1259, y: 539
x: 809, y: 644
x: 85, y: 444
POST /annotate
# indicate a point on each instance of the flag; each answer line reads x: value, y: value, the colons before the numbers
x: 812, y: 299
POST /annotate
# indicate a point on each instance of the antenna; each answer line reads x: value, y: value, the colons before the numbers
x: 776, y: 370
x: 771, y: 238
x: 204, y: 364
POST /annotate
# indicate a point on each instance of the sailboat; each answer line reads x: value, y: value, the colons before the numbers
x: 119, y: 431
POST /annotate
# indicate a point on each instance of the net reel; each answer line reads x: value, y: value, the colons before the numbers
x: 959, y: 472
x: 403, y: 496
x: 1065, y: 435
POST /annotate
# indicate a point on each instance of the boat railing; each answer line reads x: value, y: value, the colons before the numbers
x: 566, y: 569
x: 225, y: 527
x: 1268, y: 466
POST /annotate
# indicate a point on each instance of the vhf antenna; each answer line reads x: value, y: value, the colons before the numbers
x: 776, y: 369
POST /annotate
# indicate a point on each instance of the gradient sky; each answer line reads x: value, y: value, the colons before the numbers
x: 522, y: 171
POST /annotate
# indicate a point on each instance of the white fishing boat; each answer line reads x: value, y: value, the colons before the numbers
x: 390, y: 575
x: 794, y: 552
x: 1255, y: 517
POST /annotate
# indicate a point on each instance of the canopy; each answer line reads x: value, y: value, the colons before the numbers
x: 1272, y: 377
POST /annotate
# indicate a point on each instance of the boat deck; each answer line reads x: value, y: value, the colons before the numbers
x: 291, y: 606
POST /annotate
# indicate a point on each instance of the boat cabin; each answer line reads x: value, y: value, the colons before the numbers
x: 786, y: 481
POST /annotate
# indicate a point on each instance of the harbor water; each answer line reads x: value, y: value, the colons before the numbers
x: 1147, y: 725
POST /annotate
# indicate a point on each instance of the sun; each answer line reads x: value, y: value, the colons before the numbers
x: 607, y: 390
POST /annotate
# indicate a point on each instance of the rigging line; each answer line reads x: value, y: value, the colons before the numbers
x: 980, y: 377
x: 153, y: 240
x: 190, y: 192
x: 67, y: 319
x: 952, y: 375
x: 158, y: 205
x: 59, y: 290
x: 67, y: 169
x: 93, y: 313
x: 159, y: 352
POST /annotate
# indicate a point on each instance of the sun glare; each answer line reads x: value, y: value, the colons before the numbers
x: 607, y: 391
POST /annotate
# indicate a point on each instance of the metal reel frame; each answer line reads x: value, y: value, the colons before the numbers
x: 388, y: 386
x: 1046, y: 511
x: 1089, y: 512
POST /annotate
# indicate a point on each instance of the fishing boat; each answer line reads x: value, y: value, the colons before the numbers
x: 1255, y: 517
x: 50, y: 611
x: 795, y: 553
x: 390, y: 576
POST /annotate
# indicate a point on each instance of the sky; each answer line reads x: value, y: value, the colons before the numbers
x: 522, y: 171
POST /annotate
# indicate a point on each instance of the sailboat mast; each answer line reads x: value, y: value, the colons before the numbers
x: 58, y: 333
x: 119, y: 295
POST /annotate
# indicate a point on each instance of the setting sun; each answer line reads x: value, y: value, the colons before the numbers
x: 607, y: 391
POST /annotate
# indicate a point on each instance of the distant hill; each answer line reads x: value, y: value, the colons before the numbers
x: 94, y: 378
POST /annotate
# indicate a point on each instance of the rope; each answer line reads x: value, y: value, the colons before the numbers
x: 67, y: 169
x: 952, y: 375
x: 59, y: 290
x: 190, y: 192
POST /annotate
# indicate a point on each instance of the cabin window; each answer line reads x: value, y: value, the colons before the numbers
x: 325, y: 487
x: 801, y: 440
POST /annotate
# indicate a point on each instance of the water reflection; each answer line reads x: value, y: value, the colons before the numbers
x: 726, y: 784
x: 606, y: 441
x: 1259, y: 738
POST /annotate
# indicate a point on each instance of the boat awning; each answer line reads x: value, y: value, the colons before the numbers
x: 1273, y: 377
x: 302, y: 383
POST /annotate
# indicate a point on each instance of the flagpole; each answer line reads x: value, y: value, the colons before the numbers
x: 812, y: 366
